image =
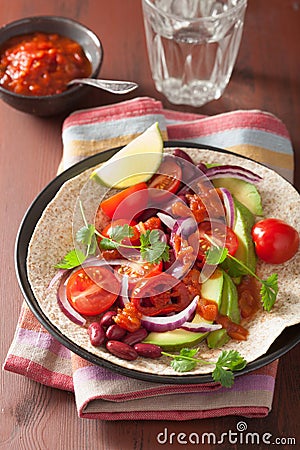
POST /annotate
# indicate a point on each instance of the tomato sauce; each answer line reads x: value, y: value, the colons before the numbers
x: 41, y: 64
x: 249, y: 297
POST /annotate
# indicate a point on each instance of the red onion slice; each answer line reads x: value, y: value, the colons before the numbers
x: 65, y: 305
x: 56, y: 277
x: 167, y: 220
x: 168, y: 323
x: 123, y: 296
x: 229, y: 207
x: 201, y: 327
x: 232, y: 172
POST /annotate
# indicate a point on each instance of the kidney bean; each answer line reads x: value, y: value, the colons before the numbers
x: 115, y: 332
x: 182, y: 154
x: 148, y: 350
x: 96, y: 334
x: 107, y: 318
x: 121, y: 350
x: 135, y: 336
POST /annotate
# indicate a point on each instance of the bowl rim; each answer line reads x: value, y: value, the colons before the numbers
x: 53, y: 18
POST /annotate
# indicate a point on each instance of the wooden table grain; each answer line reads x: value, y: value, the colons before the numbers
x: 266, y: 77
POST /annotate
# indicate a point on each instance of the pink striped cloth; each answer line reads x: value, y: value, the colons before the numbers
x: 100, y: 393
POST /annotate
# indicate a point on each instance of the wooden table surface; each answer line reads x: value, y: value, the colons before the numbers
x: 266, y: 77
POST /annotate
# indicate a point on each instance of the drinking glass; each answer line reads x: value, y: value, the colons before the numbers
x: 192, y: 46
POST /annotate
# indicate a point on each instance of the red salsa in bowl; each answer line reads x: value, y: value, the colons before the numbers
x: 39, y: 64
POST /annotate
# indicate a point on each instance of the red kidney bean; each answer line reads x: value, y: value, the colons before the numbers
x: 182, y: 154
x: 96, y: 334
x: 115, y: 332
x: 135, y: 336
x: 107, y: 318
x: 148, y: 350
x: 121, y: 350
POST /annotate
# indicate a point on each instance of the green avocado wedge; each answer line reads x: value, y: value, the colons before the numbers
x: 176, y: 339
x: 244, y: 221
x: 229, y: 306
x: 244, y: 192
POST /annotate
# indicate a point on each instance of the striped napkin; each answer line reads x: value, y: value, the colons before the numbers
x: 100, y: 393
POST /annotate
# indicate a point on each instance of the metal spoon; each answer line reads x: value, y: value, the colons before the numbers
x: 114, y: 86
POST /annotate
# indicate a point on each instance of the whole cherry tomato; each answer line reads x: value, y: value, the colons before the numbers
x: 275, y: 240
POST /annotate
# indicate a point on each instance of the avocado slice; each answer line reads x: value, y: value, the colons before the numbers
x: 179, y: 338
x: 242, y: 228
x: 244, y: 221
x: 244, y: 192
x: 229, y: 306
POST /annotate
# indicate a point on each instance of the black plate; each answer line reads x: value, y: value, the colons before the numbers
x: 285, y: 342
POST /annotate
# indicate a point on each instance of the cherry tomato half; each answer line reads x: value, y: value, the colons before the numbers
x: 138, y: 270
x: 160, y: 295
x: 167, y: 180
x: 92, y: 290
x: 220, y: 234
x: 127, y: 203
x: 275, y: 241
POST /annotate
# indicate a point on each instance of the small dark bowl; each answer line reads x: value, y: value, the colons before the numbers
x: 50, y: 105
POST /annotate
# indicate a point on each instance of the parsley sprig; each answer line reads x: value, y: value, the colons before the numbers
x: 152, y: 249
x: 228, y: 362
x: 269, y: 287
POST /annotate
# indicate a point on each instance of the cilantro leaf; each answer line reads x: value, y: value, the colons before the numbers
x: 227, y: 362
x: 153, y: 249
x: 108, y: 244
x: 185, y: 361
x: 216, y: 255
x: 120, y: 232
x: 230, y: 360
x: 72, y: 259
x: 188, y: 352
x: 183, y: 365
x: 86, y: 236
x: 225, y: 377
x: 269, y: 291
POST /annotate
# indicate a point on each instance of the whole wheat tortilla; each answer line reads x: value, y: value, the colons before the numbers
x: 53, y: 238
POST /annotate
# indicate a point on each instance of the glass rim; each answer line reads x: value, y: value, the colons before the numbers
x: 239, y: 5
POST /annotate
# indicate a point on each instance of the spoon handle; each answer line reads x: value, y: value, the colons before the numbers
x: 116, y: 87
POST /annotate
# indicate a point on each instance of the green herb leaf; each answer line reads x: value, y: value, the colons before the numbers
x: 72, y: 259
x: 86, y: 236
x: 183, y: 365
x: 153, y: 249
x: 185, y: 361
x: 224, y: 377
x: 269, y: 291
x: 120, y: 232
x: 216, y: 255
x: 227, y: 362
x: 188, y: 352
x: 108, y: 244
x: 230, y: 360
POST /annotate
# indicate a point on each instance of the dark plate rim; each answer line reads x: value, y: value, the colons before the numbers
x: 288, y: 339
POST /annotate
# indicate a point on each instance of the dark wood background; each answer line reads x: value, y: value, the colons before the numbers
x: 266, y: 77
